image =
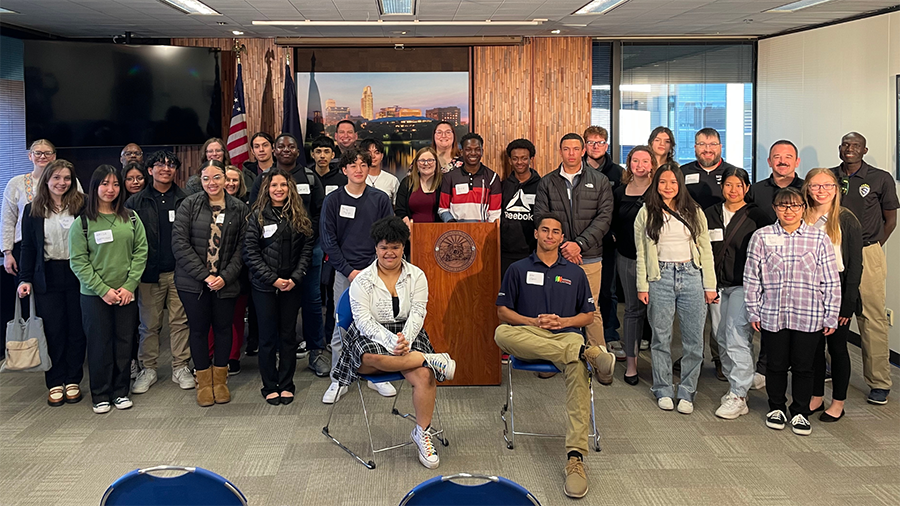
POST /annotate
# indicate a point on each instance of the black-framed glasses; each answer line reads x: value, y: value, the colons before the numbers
x: 702, y: 145
x: 132, y: 153
x: 43, y: 154
x: 161, y: 165
x: 596, y: 143
x: 790, y: 207
x: 825, y: 186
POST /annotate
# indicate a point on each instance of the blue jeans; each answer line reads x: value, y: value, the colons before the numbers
x: 609, y: 302
x: 732, y: 330
x: 311, y: 302
x: 680, y: 288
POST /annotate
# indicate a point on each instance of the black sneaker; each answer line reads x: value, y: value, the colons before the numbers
x: 776, y: 419
x: 800, y: 425
x: 301, y: 350
x: 878, y: 396
x: 234, y: 367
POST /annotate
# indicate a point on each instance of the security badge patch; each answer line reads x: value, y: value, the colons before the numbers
x: 864, y: 189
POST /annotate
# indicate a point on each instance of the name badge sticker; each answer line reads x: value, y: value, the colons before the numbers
x: 348, y: 212
x: 103, y: 236
x: 774, y: 240
x: 462, y: 188
x: 220, y: 219
x: 534, y: 278
x: 330, y: 188
x: 66, y: 222
x: 269, y: 230
x: 303, y: 189
x: 716, y: 235
x: 529, y: 199
x: 691, y: 178
x: 171, y: 216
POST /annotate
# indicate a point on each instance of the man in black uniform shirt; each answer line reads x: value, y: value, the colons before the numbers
x: 703, y: 176
x: 784, y: 160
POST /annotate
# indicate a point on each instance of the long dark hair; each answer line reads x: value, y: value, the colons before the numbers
x: 138, y: 166
x: 92, y: 207
x: 42, y: 205
x: 670, y: 156
x: 682, y: 204
x: 293, y: 208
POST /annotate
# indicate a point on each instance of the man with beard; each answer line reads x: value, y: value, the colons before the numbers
x: 131, y: 153
x: 703, y: 176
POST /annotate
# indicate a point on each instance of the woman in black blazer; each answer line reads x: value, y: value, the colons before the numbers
x: 44, y: 271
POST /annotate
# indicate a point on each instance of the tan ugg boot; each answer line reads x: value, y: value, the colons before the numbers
x: 205, y: 388
x: 220, y: 385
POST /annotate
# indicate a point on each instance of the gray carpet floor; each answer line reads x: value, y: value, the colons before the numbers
x: 278, y: 455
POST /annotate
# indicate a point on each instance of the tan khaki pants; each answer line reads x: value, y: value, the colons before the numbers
x: 595, y: 329
x: 152, y: 299
x: 533, y: 343
x: 873, y: 324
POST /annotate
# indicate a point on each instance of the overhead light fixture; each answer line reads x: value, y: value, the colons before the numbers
x: 7, y: 11
x: 237, y: 32
x: 413, y: 22
x: 599, y: 6
x: 397, y: 7
x: 192, y: 7
x: 555, y: 32
x: 796, y: 6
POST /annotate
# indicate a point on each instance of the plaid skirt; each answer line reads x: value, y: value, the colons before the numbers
x: 355, y: 345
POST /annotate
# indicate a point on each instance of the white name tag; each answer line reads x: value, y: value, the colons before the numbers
x: 462, y: 188
x: 303, y: 189
x: 220, y: 219
x: 330, y: 188
x: 774, y: 240
x: 589, y: 185
x: 66, y: 222
x: 534, y: 278
x: 716, y: 235
x: 103, y: 236
x: 348, y: 212
x: 529, y: 199
x: 692, y: 179
x: 171, y: 216
x: 269, y: 230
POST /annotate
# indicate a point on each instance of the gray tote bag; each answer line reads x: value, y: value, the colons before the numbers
x: 26, y: 345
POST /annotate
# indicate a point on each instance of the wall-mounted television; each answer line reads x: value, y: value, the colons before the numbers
x: 80, y: 94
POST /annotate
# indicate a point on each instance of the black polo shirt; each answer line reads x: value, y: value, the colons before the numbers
x: 762, y: 193
x: 705, y: 186
x: 868, y: 193
x: 530, y: 288
x: 165, y: 207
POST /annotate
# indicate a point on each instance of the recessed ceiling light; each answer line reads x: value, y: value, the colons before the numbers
x: 555, y: 31
x: 7, y: 11
x: 237, y: 32
x: 397, y: 7
x: 599, y: 6
x: 192, y: 7
x: 380, y: 22
x: 796, y: 6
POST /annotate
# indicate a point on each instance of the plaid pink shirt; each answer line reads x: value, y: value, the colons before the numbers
x: 791, y: 281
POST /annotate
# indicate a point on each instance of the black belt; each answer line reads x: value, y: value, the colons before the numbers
x: 869, y: 243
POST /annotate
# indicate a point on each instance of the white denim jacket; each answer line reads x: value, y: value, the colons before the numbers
x: 370, y: 302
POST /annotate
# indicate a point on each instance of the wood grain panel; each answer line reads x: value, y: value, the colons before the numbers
x: 462, y: 311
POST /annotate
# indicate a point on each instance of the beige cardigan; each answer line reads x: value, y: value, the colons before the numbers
x: 648, y: 263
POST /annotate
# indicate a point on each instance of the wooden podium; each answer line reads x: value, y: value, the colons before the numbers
x: 462, y: 264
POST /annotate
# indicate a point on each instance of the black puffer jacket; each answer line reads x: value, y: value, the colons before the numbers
x: 144, y: 205
x: 190, y: 242
x: 731, y: 258
x: 285, y: 254
x: 589, y: 216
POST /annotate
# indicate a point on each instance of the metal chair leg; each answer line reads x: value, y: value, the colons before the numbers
x: 368, y: 428
x: 509, y: 431
x: 595, y: 434
x: 325, y: 430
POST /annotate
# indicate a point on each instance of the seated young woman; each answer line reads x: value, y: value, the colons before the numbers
x: 388, y: 300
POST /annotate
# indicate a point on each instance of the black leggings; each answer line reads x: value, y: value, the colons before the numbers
x: 203, y: 310
x: 840, y: 364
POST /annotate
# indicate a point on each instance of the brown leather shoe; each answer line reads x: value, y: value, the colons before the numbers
x: 220, y: 385
x: 603, y: 363
x: 545, y: 375
x: 56, y: 397
x: 73, y: 393
x: 576, y: 478
x: 205, y: 387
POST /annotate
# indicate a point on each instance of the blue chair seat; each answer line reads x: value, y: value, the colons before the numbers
x: 535, y: 366
x: 447, y: 491
x: 196, y: 487
x: 382, y: 378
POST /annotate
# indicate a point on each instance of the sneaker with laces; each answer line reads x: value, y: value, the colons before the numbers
x: 135, y: 369
x: 123, y: 403
x: 184, y: 378
x: 384, y: 389
x: 759, y: 381
x: 602, y: 362
x: 427, y: 454
x: 318, y: 364
x: 334, y: 393
x: 101, y: 407
x: 576, y: 478
x: 616, y: 348
x: 665, y: 403
x: 685, y: 407
x: 732, y: 407
x: 301, y: 350
x: 800, y: 425
x: 144, y: 379
x: 645, y: 345
x: 776, y: 419
x: 234, y: 367
x: 443, y: 366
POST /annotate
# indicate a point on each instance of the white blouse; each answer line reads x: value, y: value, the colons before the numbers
x: 56, y: 235
x: 19, y: 192
x: 371, y: 304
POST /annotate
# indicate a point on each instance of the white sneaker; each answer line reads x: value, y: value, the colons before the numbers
x: 101, y: 407
x: 384, y: 389
x: 144, y: 379
x: 616, y: 348
x: 135, y: 369
x: 759, y: 381
x: 334, y: 393
x: 665, y: 403
x: 685, y: 407
x: 443, y: 366
x: 427, y: 454
x: 732, y: 407
x: 645, y: 345
x: 184, y: 378
x: 122, y: 403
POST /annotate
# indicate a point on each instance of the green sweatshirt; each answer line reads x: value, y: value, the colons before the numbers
x: 113, y: 264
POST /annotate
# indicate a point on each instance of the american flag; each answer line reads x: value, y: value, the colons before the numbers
x: 237, y: 132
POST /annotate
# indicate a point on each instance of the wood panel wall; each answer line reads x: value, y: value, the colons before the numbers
x: 540, y: 90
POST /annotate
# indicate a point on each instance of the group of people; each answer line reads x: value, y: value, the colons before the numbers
x: 274, y: 240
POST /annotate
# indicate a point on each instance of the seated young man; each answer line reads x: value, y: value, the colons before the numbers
x: 543, y: 304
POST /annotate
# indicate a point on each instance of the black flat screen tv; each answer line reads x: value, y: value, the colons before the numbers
x: 80, y: 94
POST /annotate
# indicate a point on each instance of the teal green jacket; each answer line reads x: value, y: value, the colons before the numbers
x: 110, y: 265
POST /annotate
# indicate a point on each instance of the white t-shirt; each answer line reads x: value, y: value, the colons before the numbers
x: 838, y: 256
x: 674, y: 241
x: 386, y: 182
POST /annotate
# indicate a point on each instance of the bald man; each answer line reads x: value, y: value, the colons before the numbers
x: 131, y: 153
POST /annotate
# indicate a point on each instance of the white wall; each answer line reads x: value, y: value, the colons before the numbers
x: 815, y: 86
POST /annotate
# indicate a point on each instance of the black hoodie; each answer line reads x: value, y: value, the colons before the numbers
x: 730, y: 258
x: 516, y: 219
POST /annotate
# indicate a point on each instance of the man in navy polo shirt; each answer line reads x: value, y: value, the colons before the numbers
x: 543, y: 304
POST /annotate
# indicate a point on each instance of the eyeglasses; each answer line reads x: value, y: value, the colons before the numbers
x: 215, y: 151
x: 161, y: 165
x: 448, y: 133
x: 43, y: 154
x: 596, y: 143
x: 217, y: 178
x: 132, y: 153
x: 708, y: 144
x: 790, y: 207
x: 134, y: 179
x: 429, y: 161
x: 826, y: 186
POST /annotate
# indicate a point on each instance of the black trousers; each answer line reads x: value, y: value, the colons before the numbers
x: 60, y: 309
x: 110, y: 331
x: 794, y: 350
x: 277, y: 314
x: 203, y: 310
x: 840, y: 364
